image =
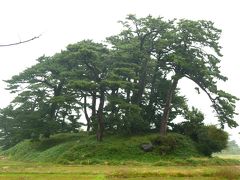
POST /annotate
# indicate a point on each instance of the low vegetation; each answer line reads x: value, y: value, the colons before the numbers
x: 81, y: 148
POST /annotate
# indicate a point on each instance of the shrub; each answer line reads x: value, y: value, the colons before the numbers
x: 165, y: 144
x: 211, y: 139
x: 190, y: 127
x: 174, y: 145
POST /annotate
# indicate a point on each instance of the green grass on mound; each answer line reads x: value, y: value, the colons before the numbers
x: 81, y: 148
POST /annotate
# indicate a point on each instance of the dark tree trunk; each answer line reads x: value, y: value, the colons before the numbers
x: 57, y: 92
x: 137, y: 96
x: 86, y: 113
x: 142, y: 82
x: 150, y: 109
x: 94, y: 97
x: 52, y: 112
x: 63, y: 123
x: 127, y: 90
x: 167, y: 109
x: 100, y: 119
x: 151, y: 98
x: 113, y: 104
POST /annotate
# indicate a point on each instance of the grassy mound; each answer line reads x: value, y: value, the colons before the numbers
x: 81, y: 148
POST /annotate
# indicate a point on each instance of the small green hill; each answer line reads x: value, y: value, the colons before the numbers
x: 81, y: 148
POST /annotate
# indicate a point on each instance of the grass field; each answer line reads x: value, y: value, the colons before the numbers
x: 14, y: 170
x: 229, y: 156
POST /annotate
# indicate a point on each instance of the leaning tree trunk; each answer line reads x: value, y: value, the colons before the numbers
x: 167, y: 109
x: 100, y: 119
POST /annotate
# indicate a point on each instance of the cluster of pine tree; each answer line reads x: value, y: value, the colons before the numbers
x: 127, y: 85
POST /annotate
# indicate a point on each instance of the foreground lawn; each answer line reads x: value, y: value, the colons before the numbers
x: 30, y: 171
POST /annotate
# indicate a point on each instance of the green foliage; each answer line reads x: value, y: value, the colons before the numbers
x: 211, y: 139
x: 126, y: 86
x: 192, y: 125
x: 44, y: 150
x: 175, y: 145
x: 165, y: 144
x: 83, y: 149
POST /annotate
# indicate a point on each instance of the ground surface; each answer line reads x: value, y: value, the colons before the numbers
x: 14, y: 170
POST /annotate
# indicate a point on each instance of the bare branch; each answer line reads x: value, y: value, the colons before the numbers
x: 20, y: 42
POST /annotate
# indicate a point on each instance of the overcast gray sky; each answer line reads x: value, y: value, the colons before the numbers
x: 62, y: 22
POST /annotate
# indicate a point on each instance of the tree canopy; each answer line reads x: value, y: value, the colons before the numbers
x: 127, y: 85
